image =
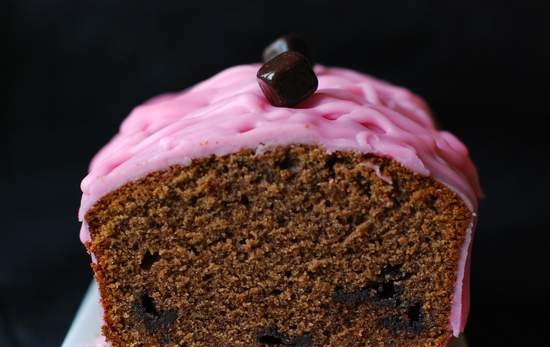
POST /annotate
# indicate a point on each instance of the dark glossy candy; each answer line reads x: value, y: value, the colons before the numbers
x: 290, y: 42
x: 287, y: 79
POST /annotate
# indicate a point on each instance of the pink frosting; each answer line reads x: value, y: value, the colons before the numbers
x: 228, y: 112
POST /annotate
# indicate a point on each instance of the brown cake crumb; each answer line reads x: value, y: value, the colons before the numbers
x: 293, y: 247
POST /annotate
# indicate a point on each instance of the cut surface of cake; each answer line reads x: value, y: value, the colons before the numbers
x: 217, y: 219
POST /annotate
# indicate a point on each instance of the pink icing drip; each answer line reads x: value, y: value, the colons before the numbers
x: 228, y: 112
x: 377, y: 171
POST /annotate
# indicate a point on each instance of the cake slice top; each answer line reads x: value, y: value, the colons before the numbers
x: 228, y: 112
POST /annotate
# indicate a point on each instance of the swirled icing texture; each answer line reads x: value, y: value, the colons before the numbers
x: 228, y: 112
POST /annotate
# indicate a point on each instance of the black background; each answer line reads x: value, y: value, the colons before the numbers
x: 74, y: 69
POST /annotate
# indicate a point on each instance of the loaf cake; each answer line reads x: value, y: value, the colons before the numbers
x: 215, y: 218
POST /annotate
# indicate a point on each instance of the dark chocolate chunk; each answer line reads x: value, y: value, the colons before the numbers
x: 392, y: 271
x: 149, y: 259
x: 244, y: 200
x: 411, y: 323
x: 351, y: 298
x: 394, y: 324
x: 155, y: 320
x: 149, y: 305
x: 386, y: 290
x: 276, y: 292
x: 414, y: 313
x: 287, y: 79
x: 302, y: 341
x: 288, y: 163
x: 272, y: 337
x: 381, y: 291
x: 290, y: 42
x: 161, y: 323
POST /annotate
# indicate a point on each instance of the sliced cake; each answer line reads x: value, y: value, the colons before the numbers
x: 218, y: 217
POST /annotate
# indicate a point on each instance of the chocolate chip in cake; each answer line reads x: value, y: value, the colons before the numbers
x: 149, y: 305
x: 162, y: 322
x: 287, y: 79
x: 272, y: 337
x: 290, y: 42
x: 276, y: 292
x: 302, y: 341
x: 385, y: 290
x: 154, y: 319
x: 382, y: 290
x: 349, y: 298
x: 148, y: 259
x: 270, y: 340
x: 393, y: 323
x: 289, y: 163
x: 391, y: 271
x: 411, y: 323
x: 244, y: 200
x: 414, y: 313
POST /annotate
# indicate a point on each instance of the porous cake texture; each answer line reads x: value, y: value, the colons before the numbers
x: 215, y: 219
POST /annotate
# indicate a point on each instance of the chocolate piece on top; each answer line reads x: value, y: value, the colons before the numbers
x: 287, y: 79
x: 290, y: 42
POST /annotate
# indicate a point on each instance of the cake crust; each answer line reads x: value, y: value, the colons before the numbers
x: 293, y: 246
